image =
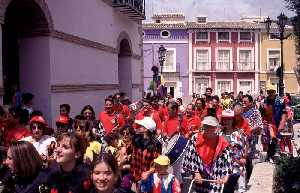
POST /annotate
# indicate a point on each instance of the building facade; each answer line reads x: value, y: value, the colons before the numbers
x: 61, y: 54
x: 223, y: 56
x: 170, y: 31
x: 271, y: 59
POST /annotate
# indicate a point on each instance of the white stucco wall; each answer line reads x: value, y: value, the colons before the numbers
x: 75, y: 64
x: 103, y: 23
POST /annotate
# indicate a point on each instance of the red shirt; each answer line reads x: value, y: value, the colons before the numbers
x: 16, y: 134
x: 244, y: 125
x: 163, y: 113
x: 171, y: 126
x: 125, y: 112
x: 198, y: 113
x: 154, y: 115
x: 193, y: 123
x: 108, y: 121
x: 208, y: 150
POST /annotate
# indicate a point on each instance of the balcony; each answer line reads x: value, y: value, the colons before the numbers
x: 168, y: 68
x: 245, y: 67
x: 202, y: 69
x: 134, y: 9
x: 224, y: 67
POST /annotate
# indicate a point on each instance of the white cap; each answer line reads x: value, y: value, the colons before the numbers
x: 210, y: 120
x: 147, y: 122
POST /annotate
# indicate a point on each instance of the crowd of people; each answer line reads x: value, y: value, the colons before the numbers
x: 150, y: 146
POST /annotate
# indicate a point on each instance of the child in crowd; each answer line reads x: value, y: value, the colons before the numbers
x: 161, y: 181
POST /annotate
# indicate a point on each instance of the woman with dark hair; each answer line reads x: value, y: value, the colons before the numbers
x: 145, y: 149
x: 93, y: 125
x: 25, y: 163
x: 105, y: 174
x: 70, y: 175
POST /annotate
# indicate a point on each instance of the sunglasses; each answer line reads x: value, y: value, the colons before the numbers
x: 36, y: 127
x: 126, y: 133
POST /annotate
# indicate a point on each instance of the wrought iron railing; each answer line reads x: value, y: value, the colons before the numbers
x: 134, y: 8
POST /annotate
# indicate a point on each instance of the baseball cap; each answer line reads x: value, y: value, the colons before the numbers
x: 38, y: 119
x: 162, y: 160
x: 211, y: 121
x: 228, y: 113
x: 271, y: 87
x: 147, y: 122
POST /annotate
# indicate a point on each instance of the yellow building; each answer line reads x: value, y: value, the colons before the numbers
x: 270, y: 57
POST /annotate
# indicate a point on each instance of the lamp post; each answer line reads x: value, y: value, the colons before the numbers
x: 281, y: 22
x: 161, y: 56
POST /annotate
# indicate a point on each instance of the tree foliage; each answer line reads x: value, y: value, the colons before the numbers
x: 294, y: 5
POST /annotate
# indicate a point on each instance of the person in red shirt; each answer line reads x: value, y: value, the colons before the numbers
x: 199, y: 106
x: 213, y: 108
x: 14, y: 128
x: 240, y: 122
x: 193, y: 121
x: 175, y: 123
x: 148, y: 111
x: 163, y: 111
x: 110, y: 119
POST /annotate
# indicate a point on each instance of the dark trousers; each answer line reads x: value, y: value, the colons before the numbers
x: 272, y: 149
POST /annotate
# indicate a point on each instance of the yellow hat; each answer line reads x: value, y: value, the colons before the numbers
x: 271, y: 87
x: 162, y: 160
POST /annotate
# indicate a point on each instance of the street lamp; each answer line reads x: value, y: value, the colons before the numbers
x: 161, y: 56
x: 281, y: 22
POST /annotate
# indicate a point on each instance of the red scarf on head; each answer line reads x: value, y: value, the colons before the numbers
x: 208, y: 150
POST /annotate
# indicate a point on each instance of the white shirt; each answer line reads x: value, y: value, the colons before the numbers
x: 42, y: 145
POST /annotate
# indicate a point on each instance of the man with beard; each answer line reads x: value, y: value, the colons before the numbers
x: 148, y: 111
x: 193, y: 121
x: 274, y: 118
x: 110, y: 119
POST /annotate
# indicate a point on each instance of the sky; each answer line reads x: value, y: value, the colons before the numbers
x: 218, y: 10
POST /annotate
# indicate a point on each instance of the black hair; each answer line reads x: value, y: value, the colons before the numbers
x: 27, y: 97
x: 109, y: 99
x: 216, y: 98
x: 210, y: 89
x: 67, y: 106
x: 250, y: 98
x: 108, y: 159
x: 88, y: 107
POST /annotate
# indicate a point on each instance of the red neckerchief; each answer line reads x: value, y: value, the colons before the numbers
x: 206, y: 151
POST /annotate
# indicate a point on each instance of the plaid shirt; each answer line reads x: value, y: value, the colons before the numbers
x: 142, y: 159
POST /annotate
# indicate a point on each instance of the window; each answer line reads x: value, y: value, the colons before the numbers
x: 223, y: 60
x: 245, y: 36
x: 201, y: 84
x: 172, y: 88
x: 224, y: 86
x: 273, y: 36
x: 262, y: 86
x: 274, y: 59
x: 165, y: 34
x: 157, y: 21
x: 201, y: 36
x: 169, y: 64
x: 245, y: 60
x: 202, y: 60
x: 245, y: 86
x: 223, y: 36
